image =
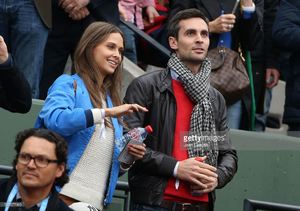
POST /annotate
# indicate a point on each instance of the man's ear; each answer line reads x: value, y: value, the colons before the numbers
x: 60, y: 170
x: 173, y: 43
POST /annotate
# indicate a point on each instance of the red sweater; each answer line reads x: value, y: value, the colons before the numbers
x: 183, y: 115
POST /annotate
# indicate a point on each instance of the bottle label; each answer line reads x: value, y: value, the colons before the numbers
x: 134, y: 136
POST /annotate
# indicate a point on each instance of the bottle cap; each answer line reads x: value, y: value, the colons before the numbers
x: 149, y: 129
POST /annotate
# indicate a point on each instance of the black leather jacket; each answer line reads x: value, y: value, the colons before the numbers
x: 148, y: 177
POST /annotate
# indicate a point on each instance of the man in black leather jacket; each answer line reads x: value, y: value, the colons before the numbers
x: 170, y: 176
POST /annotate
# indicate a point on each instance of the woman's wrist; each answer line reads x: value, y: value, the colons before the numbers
x: 107, y: 112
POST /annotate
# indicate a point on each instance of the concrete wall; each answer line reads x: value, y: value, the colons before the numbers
x: 269, y: 169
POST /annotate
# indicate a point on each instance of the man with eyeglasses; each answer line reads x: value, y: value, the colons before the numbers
x: 39, y: 166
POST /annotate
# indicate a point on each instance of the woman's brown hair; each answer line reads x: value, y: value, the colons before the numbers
x: 86, y: 66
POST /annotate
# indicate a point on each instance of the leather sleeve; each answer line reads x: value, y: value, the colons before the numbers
x: 154, y: 162
x: 15, y: 91
x: 227, y: 160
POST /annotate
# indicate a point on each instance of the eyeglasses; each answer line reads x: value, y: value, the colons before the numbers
x: 39, y: 160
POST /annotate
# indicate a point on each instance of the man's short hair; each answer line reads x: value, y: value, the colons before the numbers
x: 173, y: 25
x: 61, y: 148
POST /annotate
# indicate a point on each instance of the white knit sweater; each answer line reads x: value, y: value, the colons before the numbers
x: 89, y: 178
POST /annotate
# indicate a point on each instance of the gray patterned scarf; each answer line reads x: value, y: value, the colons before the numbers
x: 202, y: 134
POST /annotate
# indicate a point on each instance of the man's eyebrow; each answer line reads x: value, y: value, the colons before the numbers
x: 35, y: 155
x: 190, y: 29
x: 195, y: 30
x: 205, y: 31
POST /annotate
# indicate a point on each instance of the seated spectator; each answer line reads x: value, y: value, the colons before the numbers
x: 15, y: 92
x: 39, y: 165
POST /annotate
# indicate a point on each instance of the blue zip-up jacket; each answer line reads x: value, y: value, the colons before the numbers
x: 67, y: 111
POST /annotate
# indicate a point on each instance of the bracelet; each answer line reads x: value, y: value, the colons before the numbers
x: 127, y: 168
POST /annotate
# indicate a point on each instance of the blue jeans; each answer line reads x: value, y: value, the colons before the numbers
x: 141, y: 207
x: 261, y: 119
x: 130, y: 46
x: 234, y: 115
x: 26, y: 36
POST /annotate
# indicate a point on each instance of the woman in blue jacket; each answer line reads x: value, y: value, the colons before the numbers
x: 85, y: 108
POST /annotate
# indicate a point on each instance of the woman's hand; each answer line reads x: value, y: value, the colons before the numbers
x: 122, y: 12
x: 223, y: 23
x: 124, y: 110
x: 151, y: 13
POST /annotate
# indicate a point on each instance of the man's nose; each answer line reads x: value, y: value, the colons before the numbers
x: 31, y: 163
x: 199, y: 37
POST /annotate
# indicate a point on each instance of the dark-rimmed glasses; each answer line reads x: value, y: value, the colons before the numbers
x: 39, y: 160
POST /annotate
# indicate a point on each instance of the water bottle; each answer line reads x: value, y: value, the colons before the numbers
x: 134, y: 136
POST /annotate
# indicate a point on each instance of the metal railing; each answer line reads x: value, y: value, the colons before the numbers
x: 253, y: 205
x: 121, y: 186
x: 6, y: 170
x: 147, y: 38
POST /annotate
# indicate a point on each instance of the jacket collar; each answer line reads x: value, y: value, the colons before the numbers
x: 165, y: 83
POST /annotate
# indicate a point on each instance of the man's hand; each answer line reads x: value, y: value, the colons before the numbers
x: 211, y: 185
x: 79, y: 14
x: 223, y: 23
x: 197, y: 173
x: 3, y: 51
x: 272, y: 77
x: 73, y: 5
x: 137, y: 150
x: 124, y: 110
